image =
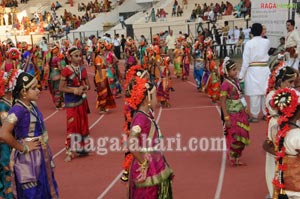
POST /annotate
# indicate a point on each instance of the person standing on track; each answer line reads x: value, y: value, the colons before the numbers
x: 74, y: 83
x: 281, y: 77
x: 234, y: 114
x: 6, y: 83
x: 292, y: 44
x: 287, y: 144
x: 24, y: 130
x: 149, y: 175
x: 255, y: 71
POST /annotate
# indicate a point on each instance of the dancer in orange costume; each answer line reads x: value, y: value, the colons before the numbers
x: 105, y: 99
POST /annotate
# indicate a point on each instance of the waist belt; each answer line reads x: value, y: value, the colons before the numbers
x: 258, y: 64
x: 42, y: 138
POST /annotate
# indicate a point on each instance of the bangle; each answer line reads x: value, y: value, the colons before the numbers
x: 25, y: 149
x: 226, y: 118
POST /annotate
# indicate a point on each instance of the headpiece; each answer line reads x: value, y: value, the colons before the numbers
x: 286, y: 100
x: 13, y: 53
x: 207, y: 41
x: 24, y: 81
x: 8, y: 80
x: 73, y: 50
x: 279, y: 74
x: 227, y: 65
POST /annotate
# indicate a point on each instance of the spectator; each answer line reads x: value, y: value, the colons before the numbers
x: 44, y: 46
x: 57, y: 5
x: 174, y: 10
x: 117, y: 46
x: 53, y: 6
x: 163, y: 14
x: 123, y: 42
x: 146, y: 17
x: 170, y: 42
x: 200, y: 22
x: 211, y: 15
x: 193, y: 16
x: 67, y: 29
x: 244, y: 11
x: 122, y: 21
x: 179, y: 11
x: 153, y: 18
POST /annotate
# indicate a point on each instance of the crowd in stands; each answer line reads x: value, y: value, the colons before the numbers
x: 95, y: 7
x: 55, y: 6
x: 213, y: 11
x: 177, y: 10
x: 10, y: 3
x: 58, y: 26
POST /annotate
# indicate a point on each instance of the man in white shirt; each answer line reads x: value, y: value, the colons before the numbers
x: 44, y: 46
x: 122, y: 21
x: 170, y: 42
x: 247, y: 31
x: 117, y: 46
x: 200, y: 22
x: 89, y: 49
x: 292, y: 44
x: 211, y: 16
x: 255, y: 71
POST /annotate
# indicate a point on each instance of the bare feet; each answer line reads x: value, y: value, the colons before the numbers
x: 68, y: 158
x: 240, y: 163
x: 234, y: 162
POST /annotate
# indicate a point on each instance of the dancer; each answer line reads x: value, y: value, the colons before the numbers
x: 150, y: 175
x: 74, y: 83
x: 24, y: 130
x: 281, y: 77
x: 234, y: 114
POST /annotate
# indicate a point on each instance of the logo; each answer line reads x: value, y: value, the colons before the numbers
x: 271, y: 5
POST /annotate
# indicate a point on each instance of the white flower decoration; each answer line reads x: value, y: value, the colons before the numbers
x: 136, y: 129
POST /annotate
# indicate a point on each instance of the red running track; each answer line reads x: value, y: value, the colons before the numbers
x: 198, y: 174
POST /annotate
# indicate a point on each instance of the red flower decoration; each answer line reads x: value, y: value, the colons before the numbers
x: 285, y: 101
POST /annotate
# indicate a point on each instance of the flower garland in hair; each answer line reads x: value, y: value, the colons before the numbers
x: 11, y: 79
x: 286, y: 101
x: 137, y: 92
x: 271, y: 86
x: 224, y: 69
x: 131, y: 73
x: 273, y: 75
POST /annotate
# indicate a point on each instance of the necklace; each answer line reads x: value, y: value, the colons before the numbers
x: 31, y: 108
x: 77, y: 71
x: 235, y: 84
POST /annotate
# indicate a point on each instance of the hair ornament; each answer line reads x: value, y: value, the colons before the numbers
x: 286, y: 100
x: 226, y: 59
